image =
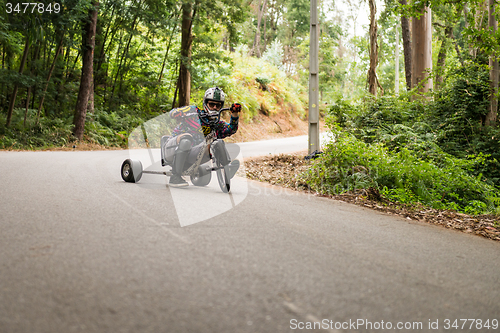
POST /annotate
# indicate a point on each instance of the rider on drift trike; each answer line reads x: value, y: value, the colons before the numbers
x: 183, y: 148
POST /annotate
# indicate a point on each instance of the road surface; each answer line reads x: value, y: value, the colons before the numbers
x: 83, y: 251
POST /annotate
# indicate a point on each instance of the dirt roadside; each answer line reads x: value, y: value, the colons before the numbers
x: 284, y: 170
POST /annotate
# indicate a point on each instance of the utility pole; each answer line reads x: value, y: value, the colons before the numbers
x: 314, y: 80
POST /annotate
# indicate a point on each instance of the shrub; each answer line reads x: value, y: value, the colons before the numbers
x: 349, y: 163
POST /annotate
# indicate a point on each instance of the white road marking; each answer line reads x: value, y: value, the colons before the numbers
x: 161, y: 225
x: 309, y: 317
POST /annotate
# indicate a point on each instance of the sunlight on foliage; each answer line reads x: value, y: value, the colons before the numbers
x: 262, y: 87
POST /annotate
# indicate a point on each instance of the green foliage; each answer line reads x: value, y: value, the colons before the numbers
x: 298, y: 15
x: 437, y: 152
x: 262, y: 87
x: 349, y: 163
x: 136, y: 60
x: 45, y: 133
x: 103, y: 128
x: 274, y: 54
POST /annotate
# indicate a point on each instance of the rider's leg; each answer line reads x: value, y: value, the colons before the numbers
x: 180, y: 157
x: 195, y: 152
x: 169, y: 145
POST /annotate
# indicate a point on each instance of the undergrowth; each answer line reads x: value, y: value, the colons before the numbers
x: 263, y: 88
x: 349, y: 163
x: 101, y: 128
x: 437, y: 152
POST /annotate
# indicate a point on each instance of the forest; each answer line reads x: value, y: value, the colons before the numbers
x: 412, y: 96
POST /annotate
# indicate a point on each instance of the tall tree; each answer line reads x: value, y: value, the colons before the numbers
x: 184, y: 82
x: 58, y: 51
x: 396, y: 61
x: 441, y: 60
x: 88, y: 44
x: 405, y: 31
x: 491, y: 117
x: 256, y: 42
x: 14, y: 93
x: 422, y: 50
x: 372, y: 73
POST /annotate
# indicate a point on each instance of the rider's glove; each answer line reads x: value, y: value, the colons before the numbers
x: 236, y: 107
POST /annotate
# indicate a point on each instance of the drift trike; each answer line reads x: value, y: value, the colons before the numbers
x: 200, y: 174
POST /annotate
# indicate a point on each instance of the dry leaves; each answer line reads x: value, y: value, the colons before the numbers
x: 283, y: 170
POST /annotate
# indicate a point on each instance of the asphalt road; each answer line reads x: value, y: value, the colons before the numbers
x: 83, y: 251
x: 278, y: 146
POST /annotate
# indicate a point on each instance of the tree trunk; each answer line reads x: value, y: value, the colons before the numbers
x: 405, y: 31
x: 164, y: 60
x: 396, y: 61
x: 372, y: 74
x: 88, y: 45
x: 100, y: 59
x: 30, y: 88
x: 90, y: 104
x: 185, y: 62
x: 175, y: 93
x: 125, y: 52
x: 422, y: 51
x: 28, y: 96
x: 174, y: 28
x: 264, y: 28
x: 58, y: 51
x: 441, y: 61
x: 14, y: 93
x: 491, y: 117
x: 481, y: 11
x: 256, y: 40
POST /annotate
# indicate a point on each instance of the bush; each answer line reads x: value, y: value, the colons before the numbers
x: 263, y: 88
x: 108, y: 129
x: 437, y: 152
x: 448, y: 125
x: 42, y: 134
x: 349, y: 164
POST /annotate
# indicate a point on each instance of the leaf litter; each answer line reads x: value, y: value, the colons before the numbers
x: 285, y: 169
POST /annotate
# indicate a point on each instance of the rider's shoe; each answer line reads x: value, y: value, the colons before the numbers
x: 177, y: 181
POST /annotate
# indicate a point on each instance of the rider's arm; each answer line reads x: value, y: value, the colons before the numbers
x: 227, y: 129
x: 186, y: 124
x: 182, y: 111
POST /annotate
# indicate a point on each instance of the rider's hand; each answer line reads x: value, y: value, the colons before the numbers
x: 235, y: 108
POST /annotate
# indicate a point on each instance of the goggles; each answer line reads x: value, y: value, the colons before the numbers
x: 214, y: 105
